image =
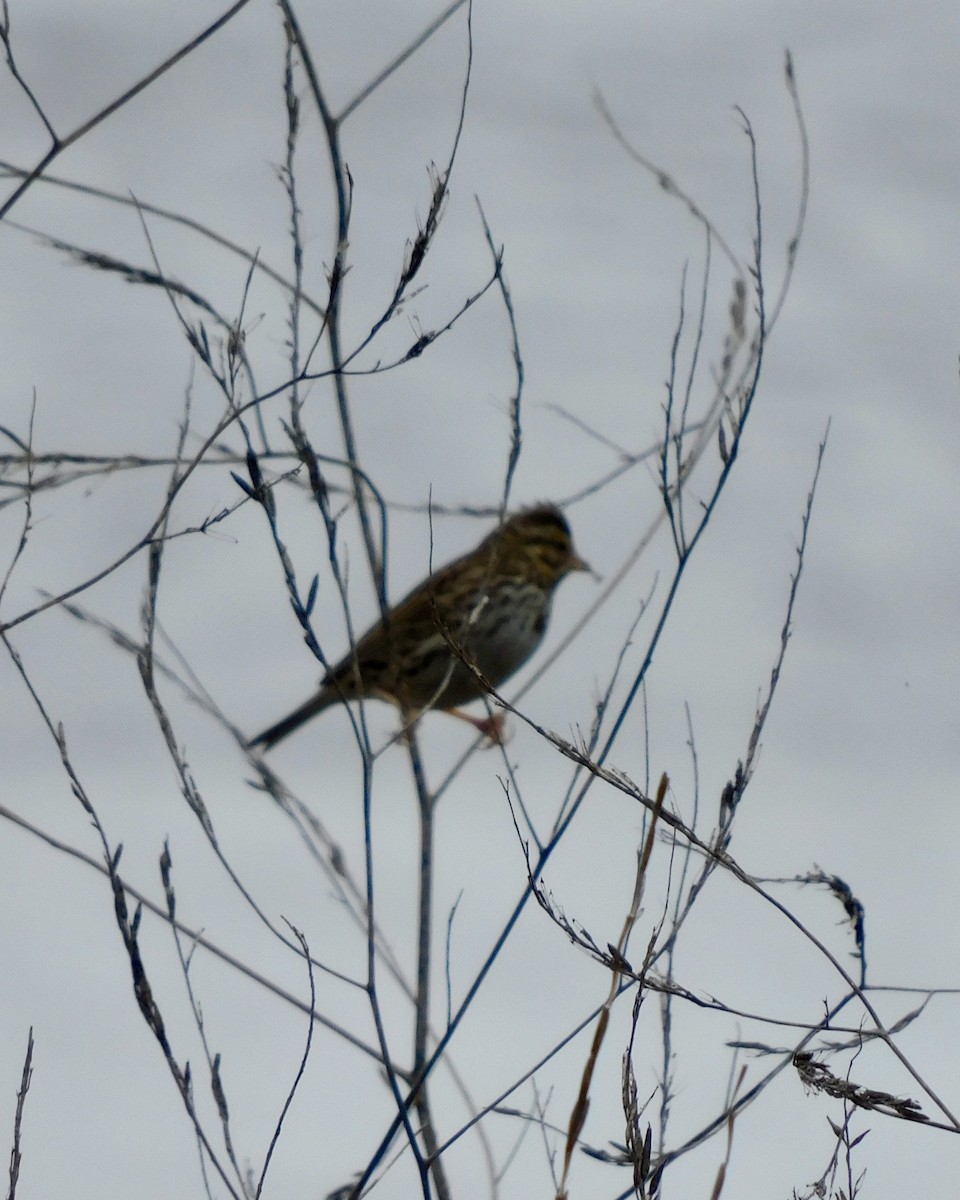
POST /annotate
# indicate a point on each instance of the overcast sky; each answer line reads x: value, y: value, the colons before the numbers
x: 857, y: 773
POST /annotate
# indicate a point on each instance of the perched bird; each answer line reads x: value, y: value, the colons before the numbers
x: 483, y: 613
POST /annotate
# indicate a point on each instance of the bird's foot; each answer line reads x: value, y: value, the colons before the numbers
x: 493, y: 727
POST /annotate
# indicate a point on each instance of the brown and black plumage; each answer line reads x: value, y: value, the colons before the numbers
x: 485, y: 612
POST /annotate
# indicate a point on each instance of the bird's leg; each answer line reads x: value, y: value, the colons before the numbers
x: 493, y: 727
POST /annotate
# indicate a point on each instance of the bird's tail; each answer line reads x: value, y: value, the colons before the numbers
x: 317, y: 703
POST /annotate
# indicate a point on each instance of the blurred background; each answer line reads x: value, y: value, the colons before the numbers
x: 857, y: 770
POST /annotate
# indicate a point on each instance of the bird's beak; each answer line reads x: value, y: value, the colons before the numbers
x: 576, y: 563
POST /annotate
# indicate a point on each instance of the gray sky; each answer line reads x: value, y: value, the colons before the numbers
x: 858, y: 765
